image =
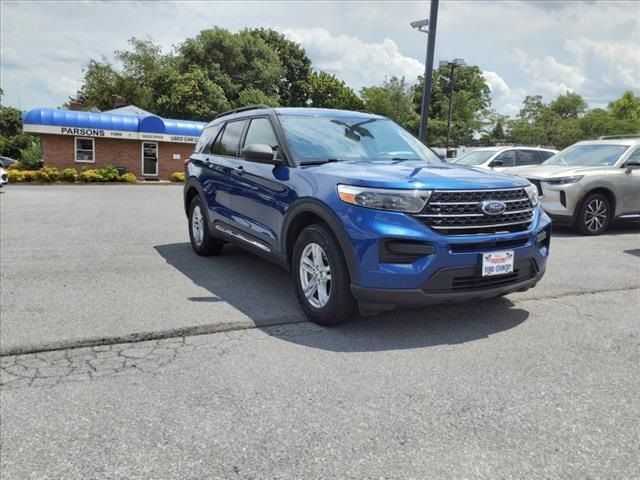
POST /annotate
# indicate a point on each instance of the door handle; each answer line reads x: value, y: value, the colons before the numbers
x: 239, y: 170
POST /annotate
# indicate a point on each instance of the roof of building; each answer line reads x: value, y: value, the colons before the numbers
x: 129, y: 110
x: 121, y: 121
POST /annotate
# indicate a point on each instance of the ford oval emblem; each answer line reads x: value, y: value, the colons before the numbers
x: 492, y: 207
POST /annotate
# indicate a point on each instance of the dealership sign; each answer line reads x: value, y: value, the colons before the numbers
x: 101, y: 133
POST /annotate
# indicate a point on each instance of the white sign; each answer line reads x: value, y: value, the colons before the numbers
x: 101, y: 133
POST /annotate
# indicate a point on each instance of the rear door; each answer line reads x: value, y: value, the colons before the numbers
x: 264, y: 195
x: 219, y: 177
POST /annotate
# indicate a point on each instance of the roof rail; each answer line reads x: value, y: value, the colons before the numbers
x: 614, y: 137
x: 242, y: 109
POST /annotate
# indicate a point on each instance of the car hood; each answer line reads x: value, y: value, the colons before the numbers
x: 415, y: 174
x: 552, y: 171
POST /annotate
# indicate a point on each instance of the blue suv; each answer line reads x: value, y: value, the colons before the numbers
x: 360, y: 211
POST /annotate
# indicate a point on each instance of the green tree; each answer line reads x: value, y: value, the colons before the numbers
x: 293, y: 87
x: 12, y: 140
x: 471, y: 99
x: 253, y: 96
x: 627, y: 107
x: 326, y: 91
x: 189, y: 95
x: 569, y: 105
x: 393, y: 99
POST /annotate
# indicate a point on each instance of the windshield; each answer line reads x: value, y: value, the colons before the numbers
x: 324, y: 138
x: 588, y: 156
x: 475, y: 157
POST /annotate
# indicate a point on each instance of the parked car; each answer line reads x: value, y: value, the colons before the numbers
x: 590, y: 184
x: 500, y: 158
x: 4, y: 178
x: 7, y: 162
x: 360, y: 211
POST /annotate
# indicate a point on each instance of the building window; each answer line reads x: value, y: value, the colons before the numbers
x: 85, y: 149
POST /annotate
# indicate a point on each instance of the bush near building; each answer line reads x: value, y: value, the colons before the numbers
x: 177, y: 177
x: 70, y: 175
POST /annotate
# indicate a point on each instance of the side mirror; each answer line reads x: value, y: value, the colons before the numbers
x: 496, y: 163
x: 632, y: 164
x: 259, y: 152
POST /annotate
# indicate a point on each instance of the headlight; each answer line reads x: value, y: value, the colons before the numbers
x: 409, y: 201
x: 532, y: 192
x: 563, y: 180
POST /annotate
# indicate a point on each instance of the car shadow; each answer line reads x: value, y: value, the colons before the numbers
x: 264, y: 293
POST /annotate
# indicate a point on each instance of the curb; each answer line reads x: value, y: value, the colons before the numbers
x: 140, y: 337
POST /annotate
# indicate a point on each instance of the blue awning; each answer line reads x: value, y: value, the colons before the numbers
x: 109, y: 121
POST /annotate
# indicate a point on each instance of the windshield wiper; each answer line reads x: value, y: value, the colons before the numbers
x: 321, y: 162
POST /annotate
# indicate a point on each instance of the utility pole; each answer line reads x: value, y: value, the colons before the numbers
x: 455, y: 63
x: 421, y: 25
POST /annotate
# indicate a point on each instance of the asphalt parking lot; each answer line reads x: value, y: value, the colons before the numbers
x: 541, y: 384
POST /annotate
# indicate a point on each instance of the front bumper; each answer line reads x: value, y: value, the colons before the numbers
x: 450, y: 272
x: 385, y: 299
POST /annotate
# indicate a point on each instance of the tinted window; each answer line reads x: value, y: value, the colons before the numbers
x: 507, y: 158
x: 528, y: 157
x: 261, y: 131
x: 227, y: 144
x: 206, y: 138
x: 545, y: 154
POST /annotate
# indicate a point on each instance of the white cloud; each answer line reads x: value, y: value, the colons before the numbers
x: 505, y: 100
x: 357, y: 62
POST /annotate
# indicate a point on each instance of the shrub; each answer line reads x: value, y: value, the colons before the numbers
x: 69, y: 175
x: 109, y: 173
x: 90, y: 176
x: 15, y: 176
x: 31, y: 156
x: 47, y: 175
x: 177, y: 177
x: 128, y: 178
x: 29, y: 175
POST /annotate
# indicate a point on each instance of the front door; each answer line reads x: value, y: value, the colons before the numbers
x: 150, y: 159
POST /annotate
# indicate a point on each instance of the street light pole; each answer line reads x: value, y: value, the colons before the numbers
x: 428, y: 66
x: 455, y: 63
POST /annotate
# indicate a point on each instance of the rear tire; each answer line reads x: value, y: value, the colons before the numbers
x: 201, y: 241
x: 321, y: 277
x: 594, y: 215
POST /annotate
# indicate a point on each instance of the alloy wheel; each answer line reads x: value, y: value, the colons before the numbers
x: 197, y: 225
x: 595, y: 215
x: 315, y: 275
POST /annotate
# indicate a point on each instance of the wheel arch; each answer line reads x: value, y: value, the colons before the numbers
x: 192, y: 188
x: 307, y: 212
x: 607, y: 192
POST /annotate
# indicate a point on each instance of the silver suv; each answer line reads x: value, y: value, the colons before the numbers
x: 590, y: 184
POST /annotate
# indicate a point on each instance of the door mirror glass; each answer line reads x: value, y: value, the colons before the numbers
x: 632, y: 163
x: 259, y: 152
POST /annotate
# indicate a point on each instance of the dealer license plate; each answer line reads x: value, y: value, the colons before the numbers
x: 497, y: 263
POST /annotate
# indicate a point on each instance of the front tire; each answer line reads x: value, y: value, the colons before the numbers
x: 201, y: 241
x: 321, y: 277
x: 594, y: 215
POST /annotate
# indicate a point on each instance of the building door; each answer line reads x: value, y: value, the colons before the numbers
x: 150, y: 159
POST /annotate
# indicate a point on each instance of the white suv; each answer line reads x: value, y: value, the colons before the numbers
x: 500, y: 158
x: 590, y: 183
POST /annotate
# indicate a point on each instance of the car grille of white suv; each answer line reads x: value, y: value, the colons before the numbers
x: 459, y: 212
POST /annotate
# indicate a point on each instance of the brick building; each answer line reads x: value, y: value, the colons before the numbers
x: 144, y: 144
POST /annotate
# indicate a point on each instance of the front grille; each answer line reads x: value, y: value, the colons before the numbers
x: 458, y: 212
x: 470, y: 278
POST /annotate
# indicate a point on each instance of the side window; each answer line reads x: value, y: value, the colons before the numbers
x: 228, y: 141
x: 528, y: 157
x: 206, y: 138
x: 635, y: 155
x: 544, y: 154
x: 261, y: 131
x: 507, y: 158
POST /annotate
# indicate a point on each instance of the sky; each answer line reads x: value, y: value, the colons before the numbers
x: 523, y: 48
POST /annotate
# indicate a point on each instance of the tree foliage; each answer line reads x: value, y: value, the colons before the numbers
x: 393, y: 99
x: 13, y: 142
x: 326, y: 91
